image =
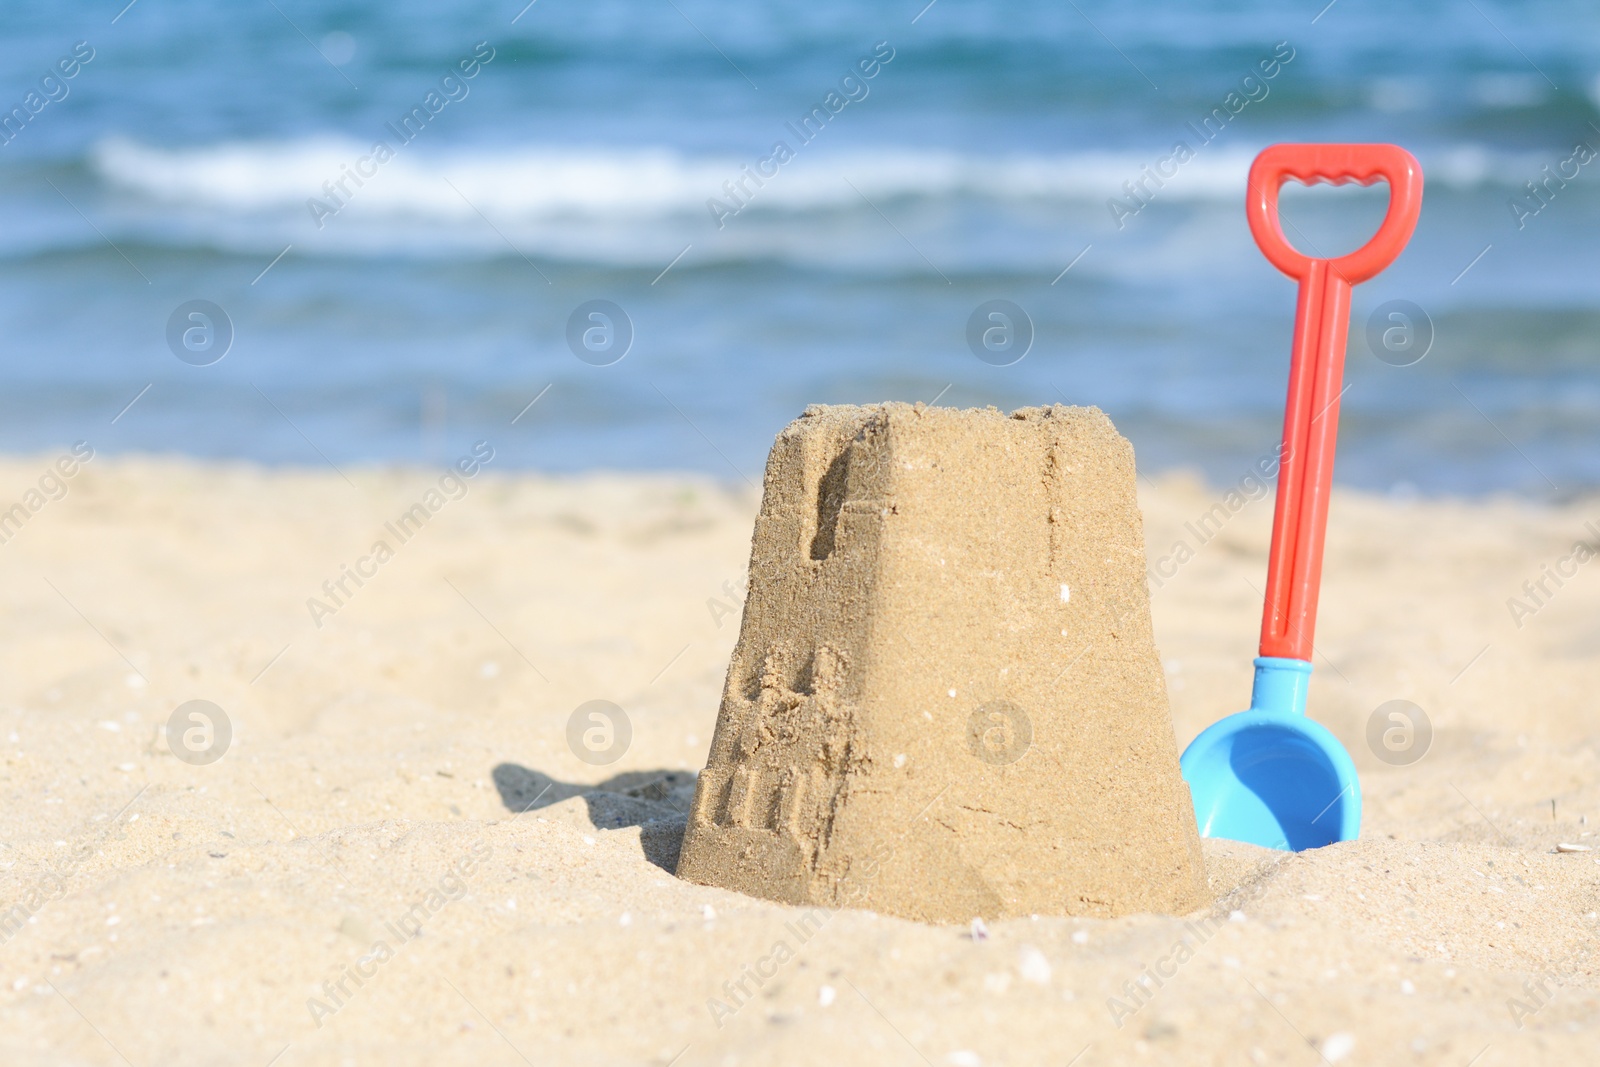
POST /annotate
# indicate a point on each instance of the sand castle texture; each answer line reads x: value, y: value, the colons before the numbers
x: 945, y: 701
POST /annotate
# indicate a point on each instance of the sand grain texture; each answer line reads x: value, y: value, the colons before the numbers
x: 945, y: 701
x: 193, y: 914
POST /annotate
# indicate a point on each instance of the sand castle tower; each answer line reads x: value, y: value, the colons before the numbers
x: 945, y: 701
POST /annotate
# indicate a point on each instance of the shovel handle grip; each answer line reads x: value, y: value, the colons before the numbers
x: 1336, y: 164
x: 1316, y: 368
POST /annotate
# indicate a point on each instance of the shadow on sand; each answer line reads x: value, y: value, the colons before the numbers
x: 655, y: 801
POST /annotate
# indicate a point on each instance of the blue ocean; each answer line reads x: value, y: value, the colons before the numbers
x: 646, y: 235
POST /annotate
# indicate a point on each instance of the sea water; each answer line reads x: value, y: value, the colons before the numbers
x: 404, y: 214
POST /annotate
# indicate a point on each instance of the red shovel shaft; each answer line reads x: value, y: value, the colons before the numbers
x: 1316, y: 369
x: 1305, y: 473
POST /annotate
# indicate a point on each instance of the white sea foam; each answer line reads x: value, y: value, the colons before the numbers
x: 551, y: 182
x: 557, y: 182
x: 641, y: 207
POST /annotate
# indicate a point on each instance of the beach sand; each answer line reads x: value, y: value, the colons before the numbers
x: 404, y: 767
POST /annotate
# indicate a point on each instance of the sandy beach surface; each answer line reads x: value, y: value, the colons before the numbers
x: 400, y: 859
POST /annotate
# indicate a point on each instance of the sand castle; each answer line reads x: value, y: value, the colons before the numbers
x: 945, y: 701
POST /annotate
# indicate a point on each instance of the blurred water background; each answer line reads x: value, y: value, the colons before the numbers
x: 199, y: 155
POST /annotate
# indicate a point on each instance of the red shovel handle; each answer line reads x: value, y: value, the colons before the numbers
x: 1335, y: 164
x: 1316, y: 369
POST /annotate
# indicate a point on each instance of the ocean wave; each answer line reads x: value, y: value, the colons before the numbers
x: 550, y: 182
x: 557, y: 182
x: 641, y: 207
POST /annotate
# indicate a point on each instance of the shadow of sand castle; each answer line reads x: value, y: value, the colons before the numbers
x: 655, y: 801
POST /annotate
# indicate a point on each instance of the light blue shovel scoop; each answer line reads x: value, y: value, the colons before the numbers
x: 1271, y: 776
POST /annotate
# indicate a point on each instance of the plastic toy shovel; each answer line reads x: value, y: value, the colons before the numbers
x: 1271, y: 776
